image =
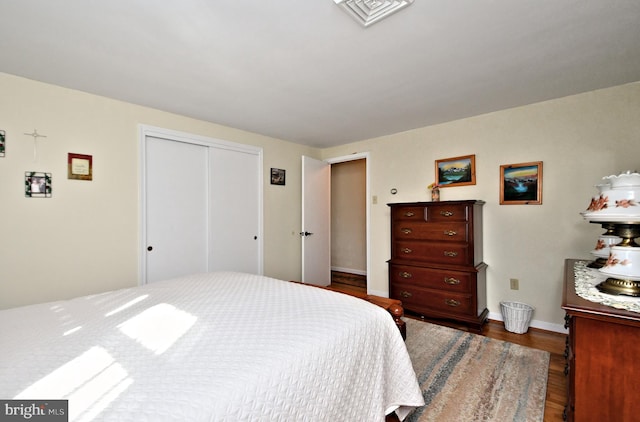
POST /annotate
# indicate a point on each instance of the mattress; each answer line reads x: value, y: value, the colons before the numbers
x: 210, y: 347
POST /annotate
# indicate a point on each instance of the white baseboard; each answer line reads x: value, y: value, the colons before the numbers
x: 349, y: 270
x: 542, y: 325
x: 377, y: 293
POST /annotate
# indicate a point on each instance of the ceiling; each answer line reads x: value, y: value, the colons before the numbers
x: 305, y: 71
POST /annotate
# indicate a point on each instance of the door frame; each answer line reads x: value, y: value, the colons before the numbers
x: 354, y: 157
x: 145, y: 131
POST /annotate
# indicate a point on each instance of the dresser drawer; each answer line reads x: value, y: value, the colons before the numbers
x: 447, y: 212
x: 446, y: 232
x: 452, y: 281
x: 435, y: 252
x: 408, y: 213
x: 424, y: 300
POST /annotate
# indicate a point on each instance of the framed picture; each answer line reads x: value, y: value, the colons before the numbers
x: 2, y: 141
x: 521, y: 184
x: 277, y: 176
x: 37, y: 185
x: 79, y: 167
x: 456, y: 171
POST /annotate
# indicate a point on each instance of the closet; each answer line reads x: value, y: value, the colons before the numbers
x: 201, y: 205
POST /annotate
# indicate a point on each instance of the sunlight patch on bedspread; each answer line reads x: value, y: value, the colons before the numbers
x: 158, y: 327
x: 90, y: 382
x: 126, y: 305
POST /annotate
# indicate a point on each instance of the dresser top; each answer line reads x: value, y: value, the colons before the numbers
x: 425, y: 203
x: 574, y: 304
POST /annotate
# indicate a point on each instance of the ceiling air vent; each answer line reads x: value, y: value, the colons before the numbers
x: 368, y: 12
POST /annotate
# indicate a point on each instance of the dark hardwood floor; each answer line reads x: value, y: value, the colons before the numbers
x: 552, y: 342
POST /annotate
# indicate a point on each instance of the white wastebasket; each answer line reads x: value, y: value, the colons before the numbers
x: 517, y: 316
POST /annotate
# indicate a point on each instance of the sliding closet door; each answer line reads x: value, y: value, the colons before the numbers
x: 235, y: 201
x: 201, y: 205
x: 177, y: 208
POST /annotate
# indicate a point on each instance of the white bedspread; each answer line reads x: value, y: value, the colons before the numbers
x: 209, y: 347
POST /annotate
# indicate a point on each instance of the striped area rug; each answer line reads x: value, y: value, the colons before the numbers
x: 467, y: 378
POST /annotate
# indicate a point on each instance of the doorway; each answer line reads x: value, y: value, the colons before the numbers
x: 349, y: 225
x: 358, y: 177
x: 316, y: 217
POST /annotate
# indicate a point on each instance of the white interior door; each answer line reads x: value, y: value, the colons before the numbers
x: 177, y: 208
x: 236, y: 243
x: 316, y: 222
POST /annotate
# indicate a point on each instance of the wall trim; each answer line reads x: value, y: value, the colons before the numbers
x: 542, y: 325
x: 349, y: 270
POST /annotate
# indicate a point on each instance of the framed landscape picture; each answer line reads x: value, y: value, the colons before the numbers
x: 521, y: 184
x: 456, y: 171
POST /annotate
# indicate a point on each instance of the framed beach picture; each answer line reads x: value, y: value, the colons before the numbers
x: 456, y: 171
x: 521, y: 184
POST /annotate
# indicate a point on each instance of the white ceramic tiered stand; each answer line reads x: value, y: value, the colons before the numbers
x: 618, y: 210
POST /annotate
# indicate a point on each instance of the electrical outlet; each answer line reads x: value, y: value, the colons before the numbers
x: 514, y: 283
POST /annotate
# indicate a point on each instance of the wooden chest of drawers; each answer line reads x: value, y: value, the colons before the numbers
x: 436, y: 266
x: 602, y: 352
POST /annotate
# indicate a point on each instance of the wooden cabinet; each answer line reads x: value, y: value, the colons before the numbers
x: 603, y: 365
x: 436, y: 266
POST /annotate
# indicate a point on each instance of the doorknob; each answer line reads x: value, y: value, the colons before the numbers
x: 305, y: 234
x: 149, y: 248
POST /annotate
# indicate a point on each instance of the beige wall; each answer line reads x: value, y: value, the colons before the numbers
x: 85, y: 238
x: 579, y: 139
x: 348, y: 216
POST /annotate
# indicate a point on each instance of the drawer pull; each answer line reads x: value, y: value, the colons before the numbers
x: 405, y: 294
x: 446, y: 213
x: 452, y: 302
x: 405, y: 274
x: 406, y: 230
x: 450, y: 232
x: 451, y: 254
x: 406, y: 250
x: 409, y: 214
x: 451, y: 281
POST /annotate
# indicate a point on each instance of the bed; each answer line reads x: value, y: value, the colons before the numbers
x: 210, y: 347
